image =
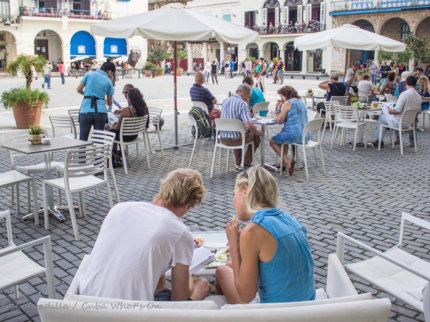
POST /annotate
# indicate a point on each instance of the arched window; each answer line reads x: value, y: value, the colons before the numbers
x: 82, y: 44
x: 293, y: 2
x: 271, y: 4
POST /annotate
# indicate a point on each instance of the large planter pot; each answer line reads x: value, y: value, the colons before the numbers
x: 179, y: 72
x: 159, y: 74
x: 148, y: 73
x: 25, y: 115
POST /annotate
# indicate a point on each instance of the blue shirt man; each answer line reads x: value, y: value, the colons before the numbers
x: 99, y: 85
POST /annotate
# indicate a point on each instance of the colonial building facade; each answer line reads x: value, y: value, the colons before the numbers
x: 60, y: 29
x: 390, y: 18
x: 249, y: 13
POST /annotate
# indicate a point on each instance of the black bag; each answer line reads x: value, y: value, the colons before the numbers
x: 117, y: 161
x: 204, y: 123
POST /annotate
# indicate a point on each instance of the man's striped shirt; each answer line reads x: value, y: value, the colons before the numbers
x: 237, y: 109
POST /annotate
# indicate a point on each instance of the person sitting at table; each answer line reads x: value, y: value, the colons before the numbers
x: 408, y: 100
x: 257, y: 95
x: 391, y: 85
x: 402, y: 85
x: 293, y: 113
x: 237, y: 108
x: 366, y: 86
x: 125, y: 90
x: 334, y: 88
x: 137, y: 108
x: 271, y: 254
x: 199, y: 93
x: 139, y: 241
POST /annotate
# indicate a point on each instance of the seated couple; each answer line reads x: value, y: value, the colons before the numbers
x: 138, y: 242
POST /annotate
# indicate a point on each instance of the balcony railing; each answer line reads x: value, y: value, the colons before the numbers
x: 309, y: 28
x: 350, y: 5
x: 59, y: 13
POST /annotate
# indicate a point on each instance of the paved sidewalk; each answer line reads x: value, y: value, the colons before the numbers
x: 363, y: 195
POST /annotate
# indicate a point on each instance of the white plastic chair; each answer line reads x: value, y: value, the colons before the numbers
x: 407, y: 123
x: 424, y: 113
x: 229, y: 125
x: 370, y: 121
x: 389, y: 98
x: 12, y: 179
x: 154, y: 117
x: 311, y: 126
x: 202, y: 106
x: 64, y: 122
x: 363, y: 96
x: 132, y: 126
x: 312, y: 115
x: 79, y: 169
x: 329, y: 108
x: 98, y: 138
x: 74, y: 113
x: 346, y: 117
x: 261, y: 107
x: 396, y: 272
x: 17, y: 268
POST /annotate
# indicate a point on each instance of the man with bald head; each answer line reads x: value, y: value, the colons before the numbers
x: 200, y: 94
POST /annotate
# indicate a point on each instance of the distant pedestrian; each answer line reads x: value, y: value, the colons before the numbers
x: 208, y: 67
x: 214, y: 73
x: 47, y: 75
x: 62, y: 69
x: 222, y: 68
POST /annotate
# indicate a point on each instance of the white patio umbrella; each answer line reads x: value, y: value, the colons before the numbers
x: 100, y: 60
x: 121, y: 59
x: 348, y: 37
x: 175, y: 22
x: 79, y: 58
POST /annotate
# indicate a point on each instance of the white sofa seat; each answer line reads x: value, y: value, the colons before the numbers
x: 393, y: 278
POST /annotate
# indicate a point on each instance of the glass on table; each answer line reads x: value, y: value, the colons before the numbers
x: 375, y: 104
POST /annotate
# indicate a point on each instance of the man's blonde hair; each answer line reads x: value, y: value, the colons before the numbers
x: 262, y: 189
x: 182, y: 187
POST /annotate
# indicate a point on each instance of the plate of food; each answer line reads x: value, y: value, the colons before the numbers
x: 200, y: 241
x: 215, y: 264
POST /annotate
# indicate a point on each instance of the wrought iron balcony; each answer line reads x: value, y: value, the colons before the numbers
x: 351, y: 5
x: 59, y: 13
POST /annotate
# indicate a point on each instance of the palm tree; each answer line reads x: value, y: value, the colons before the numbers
x: 27, y: 65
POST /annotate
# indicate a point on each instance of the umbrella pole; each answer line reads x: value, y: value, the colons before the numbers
x: 346, y: 61
x: 175, y: 89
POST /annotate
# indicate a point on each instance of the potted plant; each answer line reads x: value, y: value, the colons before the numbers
x: 310, y: 92
x: 35, y: 134
x: 158, y: 72
x: 26, y: 103
x: 181, y: 55
x: 148, y: 68
x: 179, y: 71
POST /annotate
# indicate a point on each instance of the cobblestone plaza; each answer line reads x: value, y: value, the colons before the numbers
x: 363, y: 194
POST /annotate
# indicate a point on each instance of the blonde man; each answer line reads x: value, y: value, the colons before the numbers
x: 140, y: 241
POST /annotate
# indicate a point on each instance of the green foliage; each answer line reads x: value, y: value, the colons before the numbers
x: 27, y: 65
x: 149, y: 66
x: 181, y: 55
x: 19, y: 95
x: 354, y: 100
x: 179, y: 68
x: 35, y: 130
x: 252, y: 59
x: 405, y: 57
x: 310, y: 90
x: 275, y: 60
x: 159, y: 70
x: 363, y: 71
x: 385, y: 55
x: 157, y: 55
x: 418, y: 46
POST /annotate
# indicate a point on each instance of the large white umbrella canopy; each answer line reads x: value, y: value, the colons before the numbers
x: 175, y: 22
x: 348, y: 37
x: 79, y: 58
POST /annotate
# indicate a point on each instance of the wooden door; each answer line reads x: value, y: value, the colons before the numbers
x: 41, y: 48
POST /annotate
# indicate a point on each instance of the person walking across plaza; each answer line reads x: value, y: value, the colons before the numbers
x: 214, y: 73
x: 62, y: 70
x: 227, y: 69
x: 261, y: 80
x: 237, y: 108
x: 95, y: 87
x: 222, y: 67
x: 232, y: 65
x: 47, y: 75
x: 248, y: 67
x: 208, y: 66
x: 384, y: 69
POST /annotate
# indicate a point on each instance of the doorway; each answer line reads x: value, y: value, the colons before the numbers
x: 218, y: 54
x: 41, y: 48
x: 273, y: 51
x: 293, y: 58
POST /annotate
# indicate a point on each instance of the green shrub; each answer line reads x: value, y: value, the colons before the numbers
x: 35, y: 130
x: 275, y: 60
x: 149, y: 66
x: 252, y: 59
x: 19, y: 95
x: 159, y: 70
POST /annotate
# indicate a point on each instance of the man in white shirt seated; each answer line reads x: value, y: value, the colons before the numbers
x: 139, y: 241
x: 408, y: 100
x: 365, y: 86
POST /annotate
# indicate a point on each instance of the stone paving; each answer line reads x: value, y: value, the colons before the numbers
x: 363, y: 195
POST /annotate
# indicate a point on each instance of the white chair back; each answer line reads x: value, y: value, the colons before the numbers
x: 312, y: 115
x: 408, y: 117
x: 341, y: 100
x: 155, y: 116
x: 101, y: 137
x: 390, y: 98
x: 6, y: 216
x: 63, y: 122
x: 313, y: 126
x: 75, y: 114
x: 87, y: 161
x: 346, y: 113
x: 229, y: 125
x: 202, y: 105
x: 133, y: 126
x: 261, y: 107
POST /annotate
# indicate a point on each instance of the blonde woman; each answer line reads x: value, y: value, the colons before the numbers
x: 424, y: 82
x: 271, y: 255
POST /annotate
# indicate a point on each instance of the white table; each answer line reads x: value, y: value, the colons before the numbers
x: 264, y: 122
x: 57, y: 144
x: 313, y: 99
x: 208, y: 236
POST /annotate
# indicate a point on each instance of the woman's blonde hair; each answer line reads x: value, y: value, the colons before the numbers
x: 182, y: 187
x: 262, y: 189
x: 426, y: 83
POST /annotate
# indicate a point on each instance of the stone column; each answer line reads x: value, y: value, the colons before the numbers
x: 282, y: 54
x: 99, y: 51
x: 261, y: 53
x: 65, y: 55
x: 190, y: 57
x: 304, y: 62
x: 221, y: 52
x: 242, y: 53
x: 205, y: 52
x: 18, y: 48
x: 376, y: 58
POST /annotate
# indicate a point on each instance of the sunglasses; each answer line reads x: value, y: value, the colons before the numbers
x: 244, y: 173
x: 125, y: 93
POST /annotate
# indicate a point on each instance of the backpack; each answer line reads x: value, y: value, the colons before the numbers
x: 204, y: 123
